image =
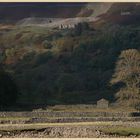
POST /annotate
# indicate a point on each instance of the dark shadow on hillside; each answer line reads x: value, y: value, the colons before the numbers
x: 8, y: 90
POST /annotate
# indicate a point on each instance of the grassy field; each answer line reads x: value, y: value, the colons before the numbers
x: 25, y: 37
x: 108, y: 128
x: 87, y: 108
x: 122, y: 131
x: 12, y: 127
x: 13, y: 118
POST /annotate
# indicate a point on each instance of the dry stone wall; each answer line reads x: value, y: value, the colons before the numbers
x: 67, y: 114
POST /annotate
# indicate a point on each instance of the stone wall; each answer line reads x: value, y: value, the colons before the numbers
x: 67, y: 114
x: 70, y: 120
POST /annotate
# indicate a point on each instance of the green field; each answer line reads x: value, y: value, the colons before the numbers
x: 108, y: 128
x: 122, y: 131
x: 12, y: 127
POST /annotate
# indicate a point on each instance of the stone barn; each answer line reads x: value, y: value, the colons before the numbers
x: 102, y: 103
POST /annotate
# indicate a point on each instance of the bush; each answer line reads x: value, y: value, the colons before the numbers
x: 46, y: 44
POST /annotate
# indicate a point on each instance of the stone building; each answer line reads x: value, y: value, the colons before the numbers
x: 67, y: 26
x: 102, y: 103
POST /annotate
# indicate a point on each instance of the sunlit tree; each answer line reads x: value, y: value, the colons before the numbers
x: 128, y: 72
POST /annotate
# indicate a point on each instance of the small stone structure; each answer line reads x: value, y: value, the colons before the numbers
x: 67, y: 26
x: 103, y: 103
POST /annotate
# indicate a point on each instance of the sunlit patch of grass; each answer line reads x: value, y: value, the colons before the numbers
x: 122, y: 131
x: 11, y: 127
x: 13, y: 118
x: 25, y: 35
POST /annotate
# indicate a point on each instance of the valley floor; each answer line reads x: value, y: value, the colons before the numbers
x: 71, y: 130
x: 81, y: 121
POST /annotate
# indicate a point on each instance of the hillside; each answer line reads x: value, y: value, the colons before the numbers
x: 9, y: 14
x: 94, y: 9
x: 8, y: 11
x: 69, y: 66
x: 120, y: 13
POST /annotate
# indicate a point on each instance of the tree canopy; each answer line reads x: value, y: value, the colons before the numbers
x: 8, y: 89
x: 128, y: 72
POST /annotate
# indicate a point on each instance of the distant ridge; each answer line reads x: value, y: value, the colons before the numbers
x: 12, y: 12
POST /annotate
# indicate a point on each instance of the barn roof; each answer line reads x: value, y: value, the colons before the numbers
x: 102, y: 100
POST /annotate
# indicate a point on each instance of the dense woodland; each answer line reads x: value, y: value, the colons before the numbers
x: 72, y: 66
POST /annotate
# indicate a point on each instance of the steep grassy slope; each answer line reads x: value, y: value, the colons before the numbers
x: 94, y: 9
